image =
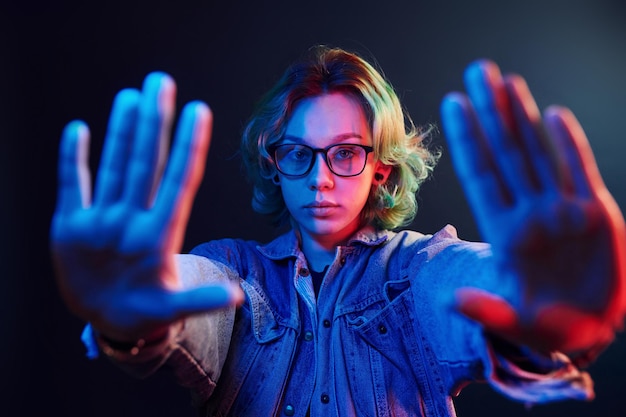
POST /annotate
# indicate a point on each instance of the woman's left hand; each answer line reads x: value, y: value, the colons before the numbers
x: 539, y: 200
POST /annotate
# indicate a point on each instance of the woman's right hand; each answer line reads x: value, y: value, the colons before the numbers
x: 114, y: 253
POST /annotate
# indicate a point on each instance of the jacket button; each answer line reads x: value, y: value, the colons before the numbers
x: 308, y: 336
x: 303, y: 272
x: 289, y: 410
x: 326, y: 323
x: 382, y: 329
x: 342, y: 261
x: 325, y: 398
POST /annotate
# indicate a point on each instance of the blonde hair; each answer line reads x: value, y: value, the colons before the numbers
x: 396, y: 140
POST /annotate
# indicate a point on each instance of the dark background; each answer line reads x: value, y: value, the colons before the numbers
x: 65, y: 60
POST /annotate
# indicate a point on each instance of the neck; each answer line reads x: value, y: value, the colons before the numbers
x: 320, y: 249
x: 317, y: 255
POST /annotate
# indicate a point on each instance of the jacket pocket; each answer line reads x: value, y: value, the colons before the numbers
x: 377, y: 355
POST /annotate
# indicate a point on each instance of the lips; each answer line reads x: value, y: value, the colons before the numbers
x: 321, y: 204
x: 321, y: 209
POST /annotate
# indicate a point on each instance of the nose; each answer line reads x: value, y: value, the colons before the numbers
x: 320, y: 176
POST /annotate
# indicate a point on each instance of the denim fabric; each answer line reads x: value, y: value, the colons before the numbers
x: 381, y: 339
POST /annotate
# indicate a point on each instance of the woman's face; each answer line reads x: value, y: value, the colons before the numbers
x: 326, y: 207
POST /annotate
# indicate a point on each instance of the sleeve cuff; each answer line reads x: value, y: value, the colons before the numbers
x: 140, y: 351
x: 526, y: 376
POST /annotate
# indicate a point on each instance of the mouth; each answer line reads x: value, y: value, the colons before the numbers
x: 321, y: 204
x: 321, y: 209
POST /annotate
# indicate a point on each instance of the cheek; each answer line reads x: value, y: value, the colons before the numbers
x: 289, y: 191
x: 358, y: 193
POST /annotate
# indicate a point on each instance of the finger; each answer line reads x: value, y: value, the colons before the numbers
x: 164, y: 306
x: 156, y: 110
x: 73, y: 172
x: 184, y: 172
x: 487, y: 92
x: 471, y: 158
x: 493, y: 312
x: 581, y: 175
x: 117, y: 147
x: 569, y: 329
x: 578, y: 168
x: 538, y: 152
x: 206, y: 298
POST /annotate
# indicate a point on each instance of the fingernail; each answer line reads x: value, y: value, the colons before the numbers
x: 236, y: 294
x: 451, y: 111
x: 78, y: 129
x: 480, y: 77
x: 161, y: 86
x: 167, y: 94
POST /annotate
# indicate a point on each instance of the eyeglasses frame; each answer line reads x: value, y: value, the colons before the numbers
x: 324, y: 152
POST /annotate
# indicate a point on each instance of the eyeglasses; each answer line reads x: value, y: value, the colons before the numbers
x: 343, y: 159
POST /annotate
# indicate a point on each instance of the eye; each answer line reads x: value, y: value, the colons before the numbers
x: 298, y: 154
x: 293, y: 153
x: 343, y: 152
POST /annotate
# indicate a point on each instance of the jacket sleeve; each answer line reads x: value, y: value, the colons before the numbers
x: 447, y: 263
x: 194, y: 348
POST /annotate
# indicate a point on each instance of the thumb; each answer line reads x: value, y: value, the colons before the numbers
x: 208, y: 298
x: 205, y: 298
x: 490, y: 310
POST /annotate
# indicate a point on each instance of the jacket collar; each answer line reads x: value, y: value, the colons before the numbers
x: 288, y: 245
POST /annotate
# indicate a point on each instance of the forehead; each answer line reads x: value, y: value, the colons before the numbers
x: 329, y: 118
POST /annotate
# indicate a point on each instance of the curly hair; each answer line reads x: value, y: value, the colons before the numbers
x: 396, y: 140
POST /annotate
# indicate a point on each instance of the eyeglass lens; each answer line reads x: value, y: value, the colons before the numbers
x: 342, y: 159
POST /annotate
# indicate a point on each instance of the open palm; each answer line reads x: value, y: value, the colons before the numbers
x: 114, y: 252
x: 557, y: 234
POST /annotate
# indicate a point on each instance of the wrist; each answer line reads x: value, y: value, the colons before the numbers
x: 146, y: 346
x: 132, y: 347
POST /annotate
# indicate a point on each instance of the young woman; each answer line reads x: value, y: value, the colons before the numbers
x: 345, y: 314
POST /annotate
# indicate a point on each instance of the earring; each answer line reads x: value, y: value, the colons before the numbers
x: 276, y: 180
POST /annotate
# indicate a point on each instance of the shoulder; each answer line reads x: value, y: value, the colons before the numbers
x: 431, y: 245
x: 442, y: 260
x: 229, y: 247
x: 221, y: 246
x: 216, y: 260
x: 194, y: 270
x: 243, y: 256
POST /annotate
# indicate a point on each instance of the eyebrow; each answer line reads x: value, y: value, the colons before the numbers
x: 336, y: 139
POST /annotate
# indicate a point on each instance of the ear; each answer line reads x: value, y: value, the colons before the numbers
x: 381, y: 173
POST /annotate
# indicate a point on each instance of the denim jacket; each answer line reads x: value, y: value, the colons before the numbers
x: 380, y: 339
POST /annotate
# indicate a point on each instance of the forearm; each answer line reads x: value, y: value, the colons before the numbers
x: 195, y: 348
